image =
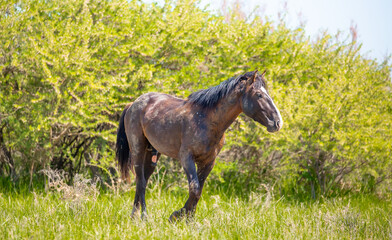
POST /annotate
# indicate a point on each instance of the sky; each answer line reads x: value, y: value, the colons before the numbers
x: 372, y: 18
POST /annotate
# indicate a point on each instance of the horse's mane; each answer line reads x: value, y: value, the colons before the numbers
x: 208, y: 98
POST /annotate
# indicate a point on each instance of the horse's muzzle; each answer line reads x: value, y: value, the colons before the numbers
x: 275, y: 126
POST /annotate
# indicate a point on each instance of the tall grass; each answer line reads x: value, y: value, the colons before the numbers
x: 220, y: 215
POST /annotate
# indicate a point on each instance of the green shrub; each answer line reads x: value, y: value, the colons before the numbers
x: 69, y: 67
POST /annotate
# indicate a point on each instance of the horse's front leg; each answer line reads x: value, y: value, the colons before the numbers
x: 202, y: 174
x: 188, y: 164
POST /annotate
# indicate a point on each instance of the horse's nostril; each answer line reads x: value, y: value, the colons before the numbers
x: 277, y: 124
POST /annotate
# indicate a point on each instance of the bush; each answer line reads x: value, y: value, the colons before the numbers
x: 68, y: 69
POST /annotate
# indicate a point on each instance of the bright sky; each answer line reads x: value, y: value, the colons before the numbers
x: 373, y: 18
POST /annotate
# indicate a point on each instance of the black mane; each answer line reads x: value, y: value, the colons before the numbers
x: 208, y: 98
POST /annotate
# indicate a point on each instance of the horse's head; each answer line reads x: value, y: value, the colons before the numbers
x: 256, y: 102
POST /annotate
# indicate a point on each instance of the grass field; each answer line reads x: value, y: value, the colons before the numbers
x: 71, y: 214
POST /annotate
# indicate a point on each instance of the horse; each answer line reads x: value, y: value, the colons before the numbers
x: 191, y: 131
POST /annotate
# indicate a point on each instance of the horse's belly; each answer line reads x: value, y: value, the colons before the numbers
x: 168, y: 147
x: 166, y: 140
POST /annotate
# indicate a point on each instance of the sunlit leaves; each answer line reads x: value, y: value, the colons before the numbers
x: 69, y: 67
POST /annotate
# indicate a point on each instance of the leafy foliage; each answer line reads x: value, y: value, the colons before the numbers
x: 68, y: 68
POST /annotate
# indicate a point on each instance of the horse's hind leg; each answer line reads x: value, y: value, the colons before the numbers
x: 138, y: 144
x: 150, y: 161
x: 140, y: 187
x: 145, y: 162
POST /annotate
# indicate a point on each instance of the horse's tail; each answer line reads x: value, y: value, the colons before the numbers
x: 122, y: 148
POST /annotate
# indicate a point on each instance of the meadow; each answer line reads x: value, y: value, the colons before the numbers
x: 83, y: 211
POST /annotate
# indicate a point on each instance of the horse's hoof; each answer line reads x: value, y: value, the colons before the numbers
x: 144, y: 216
x: 134, y: 213
x: 133, y: 216
x: 177, y: 215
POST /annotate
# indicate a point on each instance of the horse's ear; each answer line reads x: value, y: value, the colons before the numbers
x: 262, y: 75
x: 255, y: 75
x: 252, y: 79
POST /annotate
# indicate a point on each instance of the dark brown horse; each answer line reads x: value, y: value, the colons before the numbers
x: 191, y: 131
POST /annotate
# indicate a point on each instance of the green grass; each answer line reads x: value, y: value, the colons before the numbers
x: 219, y: 216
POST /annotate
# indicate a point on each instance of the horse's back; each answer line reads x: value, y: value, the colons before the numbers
x: 153, y: 104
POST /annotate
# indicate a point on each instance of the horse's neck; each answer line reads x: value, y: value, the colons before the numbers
x: 226, y: 112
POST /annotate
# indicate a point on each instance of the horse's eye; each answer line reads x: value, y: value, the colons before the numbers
x: 259, y: 95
